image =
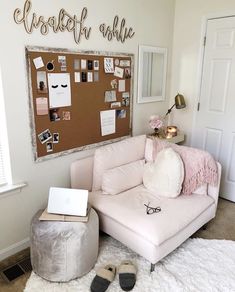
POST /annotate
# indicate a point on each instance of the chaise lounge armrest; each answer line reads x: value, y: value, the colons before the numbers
x: 81, y: 173
x: 213, y: 191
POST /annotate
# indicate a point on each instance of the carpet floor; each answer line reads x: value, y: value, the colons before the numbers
x: 197, y: 265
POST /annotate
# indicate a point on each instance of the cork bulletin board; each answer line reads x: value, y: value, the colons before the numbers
x: 78, y: 100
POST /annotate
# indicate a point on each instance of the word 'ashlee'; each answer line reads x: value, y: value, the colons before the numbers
x: 70, y: 23
x: 113, y: 32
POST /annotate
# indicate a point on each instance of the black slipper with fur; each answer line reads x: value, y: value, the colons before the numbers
x: 127, y: 275
x: 103, y: 278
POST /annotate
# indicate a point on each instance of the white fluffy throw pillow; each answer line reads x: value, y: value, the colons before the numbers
x: 165, y: 176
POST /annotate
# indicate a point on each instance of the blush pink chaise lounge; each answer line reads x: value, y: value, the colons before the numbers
x: 123, y: 216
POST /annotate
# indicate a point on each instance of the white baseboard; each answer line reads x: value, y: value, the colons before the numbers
x: 14, y: 248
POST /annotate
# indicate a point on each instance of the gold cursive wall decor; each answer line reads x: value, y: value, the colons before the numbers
x: 64, y: 22
x: 71, y: 23
x: 121, y: 34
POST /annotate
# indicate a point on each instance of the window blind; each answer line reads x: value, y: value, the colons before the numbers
x: 2, y: 172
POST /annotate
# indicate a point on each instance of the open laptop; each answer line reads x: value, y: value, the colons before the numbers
x: 67, y: 201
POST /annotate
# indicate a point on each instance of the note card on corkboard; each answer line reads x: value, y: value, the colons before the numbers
x: 71, y: 98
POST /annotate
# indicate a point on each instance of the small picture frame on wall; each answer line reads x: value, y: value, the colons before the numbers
x: 44, y: 136
x: 49, y: 147
x: 56, y: 138
x: 42, y: 82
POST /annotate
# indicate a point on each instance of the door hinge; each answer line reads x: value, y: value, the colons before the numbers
x: 198, y: 106
x: 204, y: 41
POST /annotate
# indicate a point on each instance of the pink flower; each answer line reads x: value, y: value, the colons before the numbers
x: 155, y: 122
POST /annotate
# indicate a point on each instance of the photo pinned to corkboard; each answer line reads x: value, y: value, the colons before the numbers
x: 78, y: 100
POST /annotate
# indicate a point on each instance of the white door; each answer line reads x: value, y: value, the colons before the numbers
x: 215, y: 124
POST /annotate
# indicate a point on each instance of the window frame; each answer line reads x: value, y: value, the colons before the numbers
x: 7, y: 186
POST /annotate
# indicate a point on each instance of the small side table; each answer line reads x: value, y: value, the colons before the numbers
x: 177, y: 139
x: 62, y: 251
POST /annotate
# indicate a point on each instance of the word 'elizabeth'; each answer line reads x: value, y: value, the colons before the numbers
x: 73, y: 24
x: 64, y: 22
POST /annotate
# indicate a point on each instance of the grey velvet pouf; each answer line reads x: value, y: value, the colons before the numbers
x: 62, y: 251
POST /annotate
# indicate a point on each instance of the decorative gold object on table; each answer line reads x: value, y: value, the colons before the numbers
x: 171, y: 131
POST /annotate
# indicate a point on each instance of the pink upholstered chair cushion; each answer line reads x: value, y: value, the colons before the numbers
x: 123, y: 178
x: 116, y: 154
x: 129, y: 210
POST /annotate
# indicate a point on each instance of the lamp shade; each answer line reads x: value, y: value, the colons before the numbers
x: 179, y: 101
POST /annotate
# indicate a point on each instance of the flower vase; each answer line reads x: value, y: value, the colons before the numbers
x: 156, y: 132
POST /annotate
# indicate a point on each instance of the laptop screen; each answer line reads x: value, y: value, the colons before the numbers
x: 67, y: 201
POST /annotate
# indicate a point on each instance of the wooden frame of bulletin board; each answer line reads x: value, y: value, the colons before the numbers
x: 78, y: 100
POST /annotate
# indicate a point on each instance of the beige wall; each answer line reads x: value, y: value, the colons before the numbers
x: 187, y: 46
x: 152, y: 21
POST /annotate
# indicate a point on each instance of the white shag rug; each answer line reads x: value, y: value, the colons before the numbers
x: 198, y: 265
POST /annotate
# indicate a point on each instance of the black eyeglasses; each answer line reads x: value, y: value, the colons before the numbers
x: 151, y: 210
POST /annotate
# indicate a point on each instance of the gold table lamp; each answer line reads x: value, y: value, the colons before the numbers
x: 179, y: 103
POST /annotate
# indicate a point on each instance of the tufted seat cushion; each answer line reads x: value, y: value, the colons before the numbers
x: 128, y: 209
